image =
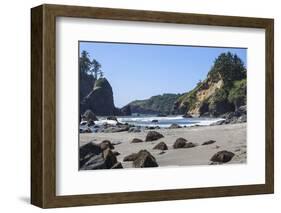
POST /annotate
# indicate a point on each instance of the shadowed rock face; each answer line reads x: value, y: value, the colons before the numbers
x: 100, y: 99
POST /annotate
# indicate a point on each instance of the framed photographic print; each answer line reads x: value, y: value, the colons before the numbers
x: 136, y: 106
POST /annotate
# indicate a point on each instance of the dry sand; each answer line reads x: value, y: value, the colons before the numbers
x: 231, y: 137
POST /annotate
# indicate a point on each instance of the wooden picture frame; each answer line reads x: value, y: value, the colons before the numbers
x: 43, y: 105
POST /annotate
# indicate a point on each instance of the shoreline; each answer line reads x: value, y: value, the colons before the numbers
x: 231, y: 137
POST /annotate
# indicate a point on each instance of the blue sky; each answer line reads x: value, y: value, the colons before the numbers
x: 137, y: 71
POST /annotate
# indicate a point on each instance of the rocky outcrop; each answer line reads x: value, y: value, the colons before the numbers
x: 223, y: 91
x: 238, y: 116
x: 153, y: 136
x: 97, y: 156
x: 144, y: 159
x: 99, y: 99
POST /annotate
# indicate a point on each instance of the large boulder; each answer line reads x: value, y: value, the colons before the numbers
x: 144, y: 159
x: 179, y: 143
x: 161, y: 146
x: 222, y: 156
x: 92, y: 156
x: 153, y: 136
x: 87, y: 151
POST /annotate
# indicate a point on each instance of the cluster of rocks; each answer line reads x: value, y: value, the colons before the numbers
x: 238, y: 116
x: 98, y: 156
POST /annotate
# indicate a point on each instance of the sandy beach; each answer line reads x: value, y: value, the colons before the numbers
x: 230, y: 137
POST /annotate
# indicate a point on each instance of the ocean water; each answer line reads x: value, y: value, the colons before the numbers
x: 162, y: 122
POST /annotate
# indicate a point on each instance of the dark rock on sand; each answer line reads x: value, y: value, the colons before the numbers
x: 153, y: 135
x: 222, y: 156
x: 174, y: 126
x: 161, y: 146
x: 182, y: 143
x: 208, y: 142
x: 136, y: 140
x: 92, y: 156
x: 130, y: 157
x: 179, y: 143
x: 144, y: 159
x: 87, y: 151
